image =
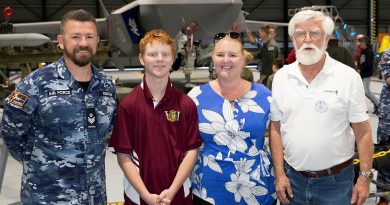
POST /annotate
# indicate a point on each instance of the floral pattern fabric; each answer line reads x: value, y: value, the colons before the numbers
x: 234, y: 165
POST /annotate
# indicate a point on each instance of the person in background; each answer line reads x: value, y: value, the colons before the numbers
x: 365, y: 68
x: 184, y: 44
x: 340, y: 53
x: 383, y: 132
x: 57, y: 120
x: 358, y: 49
x: 273, y: 31
x: 291, y: 57
x: 246, y: 73
x: 276, y: 65
x: 268, y: 50
x: 234, y: 166
x: 313, y: 148
x: 156, y: 134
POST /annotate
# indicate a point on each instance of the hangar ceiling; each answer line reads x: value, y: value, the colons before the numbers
x: 354, y: 12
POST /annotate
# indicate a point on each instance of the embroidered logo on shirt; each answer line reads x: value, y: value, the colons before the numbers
x: 336, y: 92
x: 59, y: 92
x: 17, y: 99
x: 172, y: 115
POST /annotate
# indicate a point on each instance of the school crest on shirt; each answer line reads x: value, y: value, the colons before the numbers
x: 172, y: 115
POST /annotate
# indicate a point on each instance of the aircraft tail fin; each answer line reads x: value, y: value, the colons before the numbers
x: 104, y: 9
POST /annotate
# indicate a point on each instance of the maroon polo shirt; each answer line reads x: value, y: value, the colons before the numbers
x: 160, y: 136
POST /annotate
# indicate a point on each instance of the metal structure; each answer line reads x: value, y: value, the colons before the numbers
x: 342, y: 30
x: 3, y: 161
x: 373, y: 19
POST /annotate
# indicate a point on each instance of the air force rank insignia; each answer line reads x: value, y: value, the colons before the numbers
x: 91, y: 118
x: 172, y: 115
x: 17, y: 99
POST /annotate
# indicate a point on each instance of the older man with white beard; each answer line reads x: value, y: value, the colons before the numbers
x: 317, y: 103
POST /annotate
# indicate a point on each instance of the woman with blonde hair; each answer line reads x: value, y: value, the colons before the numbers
x: 233, y: 165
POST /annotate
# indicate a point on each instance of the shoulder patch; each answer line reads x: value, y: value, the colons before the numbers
x: 17, y: 99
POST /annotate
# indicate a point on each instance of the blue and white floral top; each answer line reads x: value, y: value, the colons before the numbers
x: 234, y: 166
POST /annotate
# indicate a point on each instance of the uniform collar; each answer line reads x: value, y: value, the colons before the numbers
x: 327, y: 69
x: 148, y: 95
x: 64, y: 73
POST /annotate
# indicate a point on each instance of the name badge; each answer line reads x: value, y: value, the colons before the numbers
x: 91, y: 117
x: 321, y: 106
x: 271, y: 48
x: 59, y: 92
x: 106, y: 93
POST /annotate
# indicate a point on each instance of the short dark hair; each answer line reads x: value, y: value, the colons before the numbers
x: 77, y: 15
x: 279, y: 62
x: 365, y: 39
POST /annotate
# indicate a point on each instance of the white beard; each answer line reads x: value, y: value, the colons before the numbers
x: 309, y: 57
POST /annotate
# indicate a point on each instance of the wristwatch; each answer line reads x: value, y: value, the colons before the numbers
x: 367, y: 174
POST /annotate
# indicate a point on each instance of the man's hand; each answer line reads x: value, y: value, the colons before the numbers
x: 360, y: 191
x: 283, y: 187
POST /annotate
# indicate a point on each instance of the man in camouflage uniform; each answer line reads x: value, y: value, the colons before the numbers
x: 383, y: 133
x: 268, y: 50
x: 56, y: 121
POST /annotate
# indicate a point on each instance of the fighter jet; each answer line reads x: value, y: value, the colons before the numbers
x: 124, y: 27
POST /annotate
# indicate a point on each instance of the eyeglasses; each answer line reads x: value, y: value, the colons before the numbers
x: 233, y: 35
x: 314, y: 35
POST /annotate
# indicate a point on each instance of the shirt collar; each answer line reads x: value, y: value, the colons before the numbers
x: 148, y: 95
x: 64, y: 73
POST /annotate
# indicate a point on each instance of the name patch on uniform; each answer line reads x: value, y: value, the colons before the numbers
x: 106, y: 93
x: 172, y: 115
x: 17, y: 99
x: 59, y: 92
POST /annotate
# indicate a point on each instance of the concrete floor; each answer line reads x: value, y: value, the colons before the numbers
x: 11, y: 185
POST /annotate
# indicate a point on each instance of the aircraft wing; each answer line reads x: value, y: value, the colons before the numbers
x: 130, y: 22
x: 253, y: 25
x: 52, y: 27
x: 125, y: 26
x: 256, y: 24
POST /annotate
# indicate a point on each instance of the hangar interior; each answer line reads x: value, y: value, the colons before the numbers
x: 369, y: 17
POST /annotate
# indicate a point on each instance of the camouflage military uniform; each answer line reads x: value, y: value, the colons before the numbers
x: 383, y: 133
x: 58, y: 132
